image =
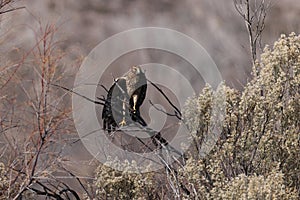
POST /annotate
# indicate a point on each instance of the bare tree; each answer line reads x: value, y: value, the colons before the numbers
x: 7, y: 6
x: 35, y: 123
x: 254, y: 13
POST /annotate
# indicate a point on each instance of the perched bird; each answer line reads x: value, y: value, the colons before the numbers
x: 123, y: 102
x: 124, y: 99
x: 136, y: 83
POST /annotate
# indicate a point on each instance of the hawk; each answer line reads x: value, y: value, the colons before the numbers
x: 124, y: 99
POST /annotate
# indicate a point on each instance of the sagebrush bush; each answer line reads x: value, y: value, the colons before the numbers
x: 7, y: 186
x: 125, y: 184
x: 3, y: 181
x: 261, y: 128
x: 255, y: 187
x: 258, y: 153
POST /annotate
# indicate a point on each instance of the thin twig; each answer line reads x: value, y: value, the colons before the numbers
x: 165, y: 96
x: 70, y: 90
x: 12, y: 9
x: 161, y: 110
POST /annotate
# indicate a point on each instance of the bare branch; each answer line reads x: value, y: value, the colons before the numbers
x: 71, y: 91
x: 12, y: 9
x: 168, y: 114
x: 254, y: 20
x: 177, y: 111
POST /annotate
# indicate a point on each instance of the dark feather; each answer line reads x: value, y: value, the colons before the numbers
x: 113, y: 111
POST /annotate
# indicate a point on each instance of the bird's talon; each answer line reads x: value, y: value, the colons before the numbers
x: 122, y: 123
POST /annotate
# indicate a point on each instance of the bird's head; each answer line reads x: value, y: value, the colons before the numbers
x: 136, y: 69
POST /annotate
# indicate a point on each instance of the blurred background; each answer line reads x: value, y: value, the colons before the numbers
x: 215, y: 24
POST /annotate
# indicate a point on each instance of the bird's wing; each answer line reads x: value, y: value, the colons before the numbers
x: 113, y: 109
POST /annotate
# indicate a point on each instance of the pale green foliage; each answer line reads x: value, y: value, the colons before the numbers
x: 255, y: 187
x: 127, y: 183
x: 197, y: 117
x: 3, y: 181
x: 197, y: 112
x: 270, y: 111
x: 201, y: 175
x: 261, y: 128
x: 8, y: 188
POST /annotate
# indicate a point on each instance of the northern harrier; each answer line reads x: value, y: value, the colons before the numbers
x: 124, y: 100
